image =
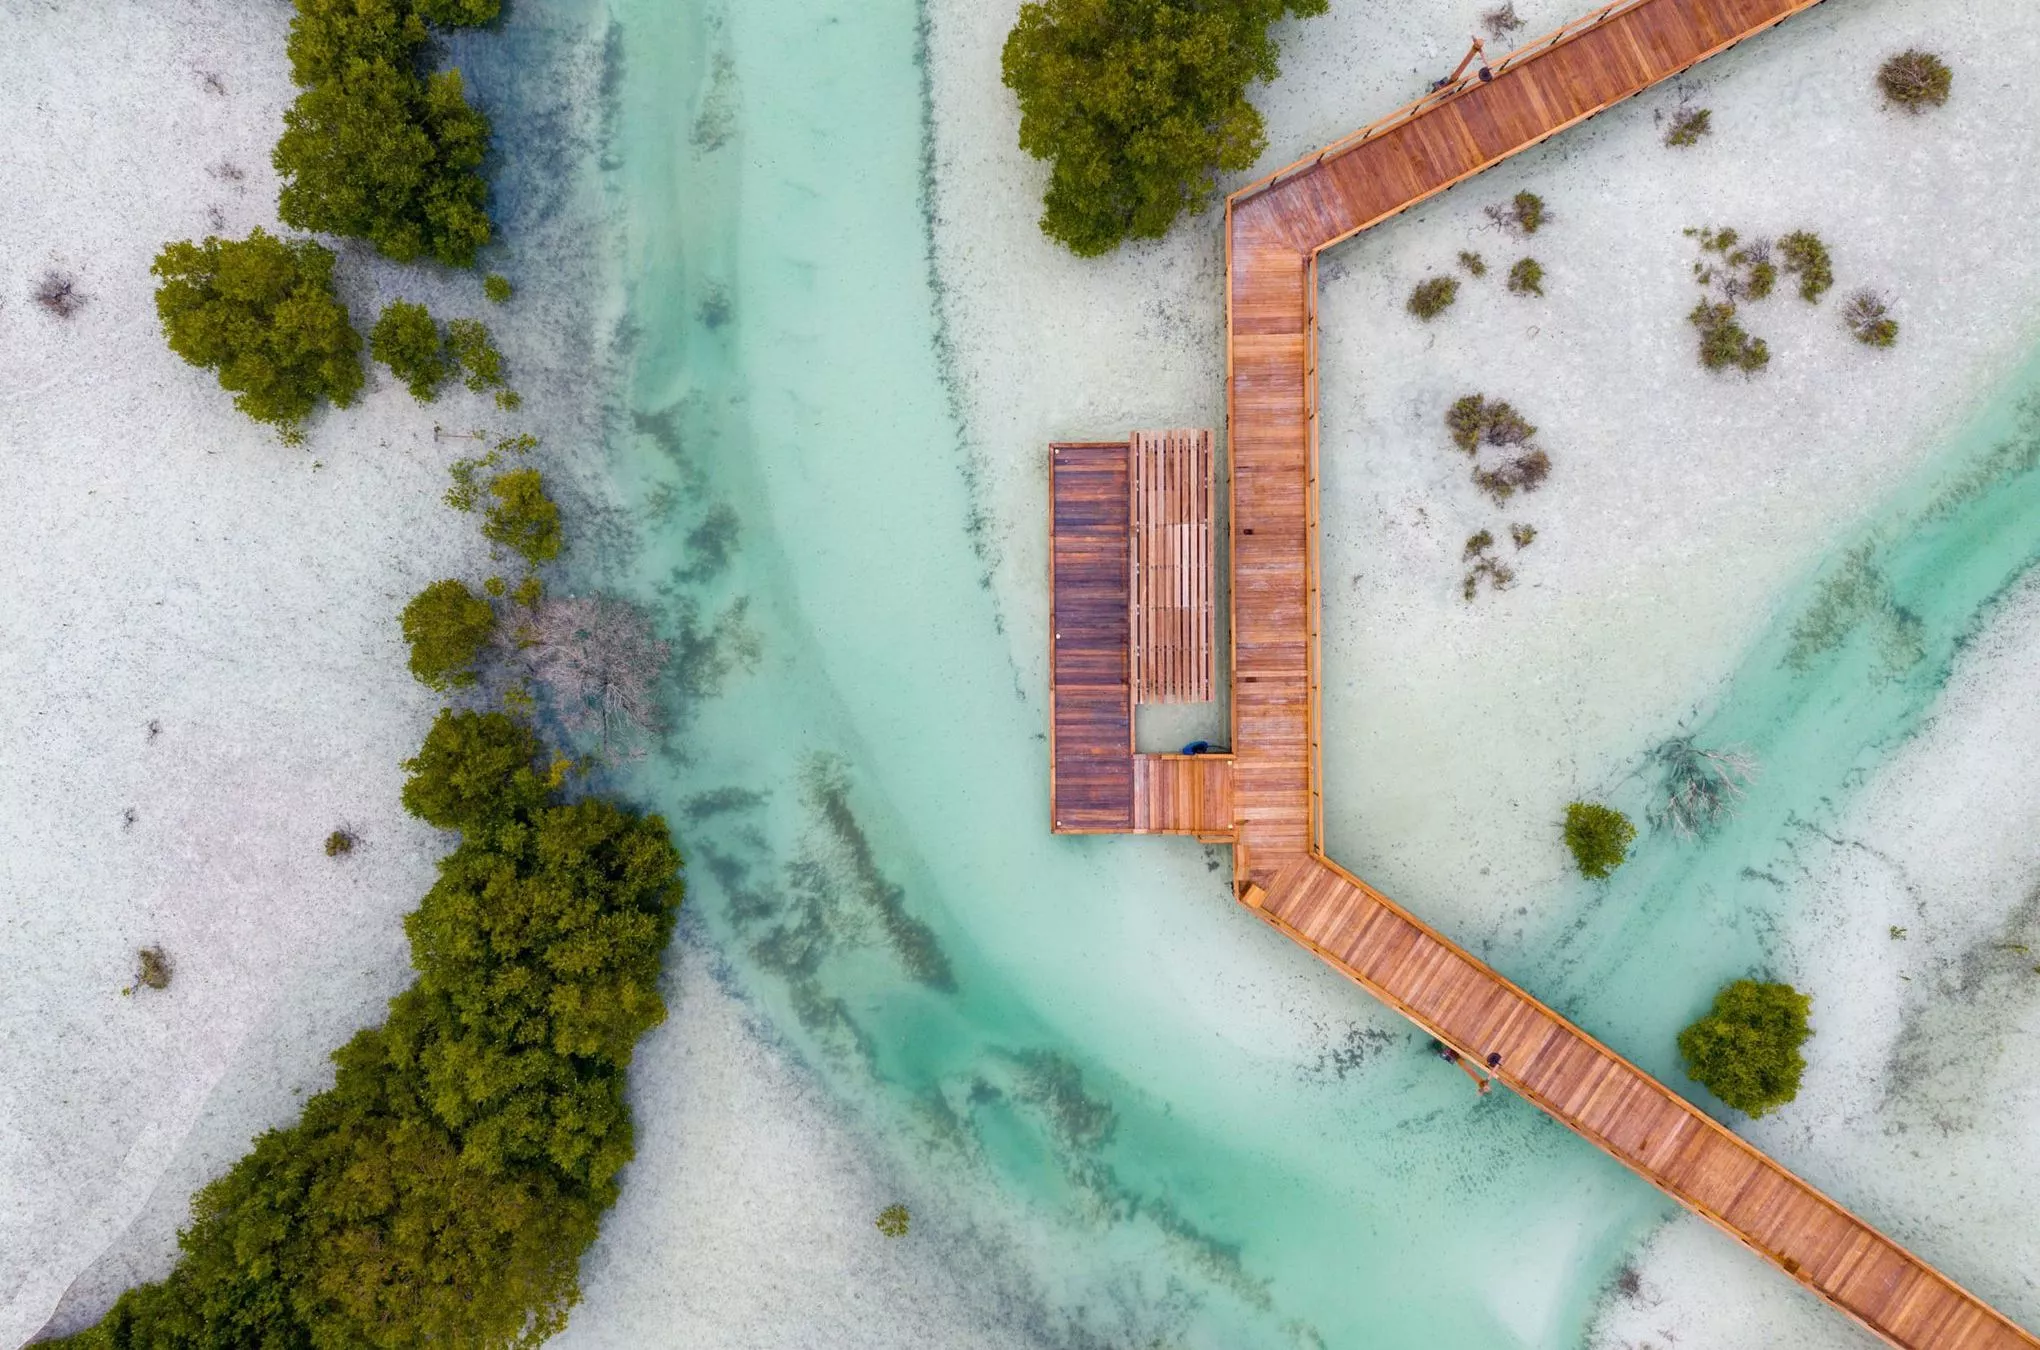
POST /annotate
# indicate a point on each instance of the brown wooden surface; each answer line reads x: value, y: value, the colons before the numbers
x: 1627, y: 1112
x: 1172, y: 566
x: 1183, y: 794
x: 1274, y: 235
x: 1089, y: 686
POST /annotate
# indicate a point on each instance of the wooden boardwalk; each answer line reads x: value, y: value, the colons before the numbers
x: 1275, y: 231
x: 1266, y: 798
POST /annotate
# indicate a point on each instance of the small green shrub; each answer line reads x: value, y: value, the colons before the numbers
x: 1689, y: 125
x: 1524, y: 535
x: 1472, y: 419
x: 1915, y: 81
x: 1746, y: 1050
x: 339, y: 843
x: 522, y: 517
x: 1869, y: 319
x: 406, y: 339
x: 1433, y: 296
x: 1599, y: 838
x: 497, y: 287
x: 1803, y: 253
x: 1466, y: 419
x: 1527, y: 278
x: 261, y: 312
x: 154, y: 971
x: 1724, y: 343
x: 1477, y: 544
x: 893, y: 1221
x: 529, y: 591
x: 1527, y: 210
x: 1499, y: 576
x: 447, y: 626
x: 1475, y: 265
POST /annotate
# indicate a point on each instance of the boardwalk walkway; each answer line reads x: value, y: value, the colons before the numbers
x: 1266, y: 799
x: 1274, y: 233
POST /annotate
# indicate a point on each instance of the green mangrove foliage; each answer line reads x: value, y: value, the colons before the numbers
x: 376, y: 147
x: 447, y: 625
x: 522, y: 517
x: 441, y: 1192
x: 406, y: 339
x: 1598, y: 837
x: 262, y: 313
x: 1138, y: 105
x: 1527, y: 277
x: 1746, y: 1049
x: 474, y: 354
x: 1805, y: 255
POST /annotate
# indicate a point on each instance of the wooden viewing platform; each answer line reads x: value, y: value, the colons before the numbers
x: 1266, y: 800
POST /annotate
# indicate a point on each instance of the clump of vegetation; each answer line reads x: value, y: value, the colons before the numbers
x: 447, y: 626
x: 1138, y: 105
x: 1501, y: 20
x: 1724, y: 342
x: 261, y: 312
x: 406, y: 339
x: 1699, y: 788
x: 57, y: 294
x: 1433, y: 296
x: 375, y: 147
x: 522, y: 517
x: 441, y: 1192
x: 152, y: 970
x: 473, y: 353
x: 1803, y: 254
x: 1869, y: 319
x: 340, y: 843
x: 1915, y: 81
x: 1498, y: 575
x: 893, y: 1220
x: 1746, y: 1050
x: 1524, y: 213
x: 1524, y: 535
x: 497, y: 287
x: 1742, y: 270
x: 1599, y: 838
x: 1689, y: 125
x: 1475, y: 265
x: 1477, y: 418
x: 1527, y: 277
x: 1520, y: 473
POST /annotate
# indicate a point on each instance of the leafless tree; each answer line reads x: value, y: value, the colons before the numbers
x: 597, y: 660
x: 58, y: 294
x: 1700, y: 787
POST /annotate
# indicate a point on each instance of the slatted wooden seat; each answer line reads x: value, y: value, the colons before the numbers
x: 1172, y: 566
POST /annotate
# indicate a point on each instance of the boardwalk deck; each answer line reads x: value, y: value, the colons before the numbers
x: 1275, y: 231
x: 1097, y: 783
x: 1266, y: 795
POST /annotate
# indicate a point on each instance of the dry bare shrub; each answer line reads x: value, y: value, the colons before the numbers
x: 1524, y: 473
x: 1501, y: 21
x: 58, y: 294
x: 1700, y: 788
x: 596, y: 657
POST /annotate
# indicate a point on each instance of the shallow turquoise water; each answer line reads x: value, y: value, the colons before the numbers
x: 1166, y: 1123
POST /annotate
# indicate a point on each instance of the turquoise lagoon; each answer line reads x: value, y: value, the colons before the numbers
x: 1151, y: 1121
